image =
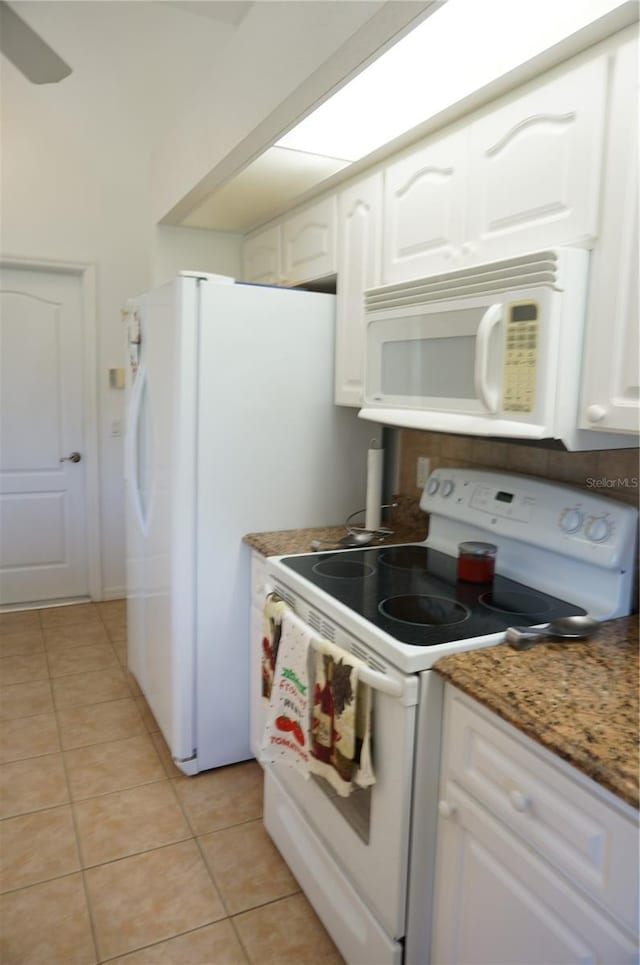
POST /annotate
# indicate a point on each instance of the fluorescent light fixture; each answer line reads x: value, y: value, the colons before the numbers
x: 454, y: 52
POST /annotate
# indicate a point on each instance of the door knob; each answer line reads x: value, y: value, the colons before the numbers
x: 74, y: 457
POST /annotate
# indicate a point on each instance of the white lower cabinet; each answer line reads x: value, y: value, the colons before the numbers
x: 512, y: 830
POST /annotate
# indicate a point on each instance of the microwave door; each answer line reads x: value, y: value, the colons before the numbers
x: 441, y: 359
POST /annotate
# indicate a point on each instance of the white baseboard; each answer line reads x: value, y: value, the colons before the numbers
x: 114, y: 592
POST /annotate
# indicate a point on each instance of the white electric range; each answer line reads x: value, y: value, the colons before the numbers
x: 366, y: 861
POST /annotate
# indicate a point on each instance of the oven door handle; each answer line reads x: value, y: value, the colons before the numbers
x: 488, y: 395
x: 372, y: 678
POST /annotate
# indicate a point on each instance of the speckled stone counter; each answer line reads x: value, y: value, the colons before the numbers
x: 579, y: 700
x: 409, y: 525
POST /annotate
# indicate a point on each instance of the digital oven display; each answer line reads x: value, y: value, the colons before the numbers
x: 504, y: 497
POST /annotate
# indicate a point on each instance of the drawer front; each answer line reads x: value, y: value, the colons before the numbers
x: 593, y: 844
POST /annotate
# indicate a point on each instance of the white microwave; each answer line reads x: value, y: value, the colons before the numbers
x: 489, y: 350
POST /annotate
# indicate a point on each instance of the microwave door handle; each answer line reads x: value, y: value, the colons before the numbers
x: 486, y: 394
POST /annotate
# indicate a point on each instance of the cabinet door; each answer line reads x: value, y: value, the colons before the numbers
x: 611, y: 389
x: 309, y: 243
x: 497, y: 904
x: 535, y: 166
x: 424, y: 204
x: 359, y: 257
x: 262, y: 257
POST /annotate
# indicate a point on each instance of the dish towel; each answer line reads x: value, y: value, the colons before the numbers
x: 286, y: 734
x: 340, y: 721
x: 272, y: 613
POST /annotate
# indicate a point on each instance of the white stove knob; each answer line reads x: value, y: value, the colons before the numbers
x: 571, y: 520
x: 433, y: 486
x: 598, y: 529
x: 447, y: 487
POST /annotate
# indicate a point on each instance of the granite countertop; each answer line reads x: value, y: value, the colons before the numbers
x: 409, y: 525
x: 579, y: 700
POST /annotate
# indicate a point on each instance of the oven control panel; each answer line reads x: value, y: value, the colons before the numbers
x: 555, y: 517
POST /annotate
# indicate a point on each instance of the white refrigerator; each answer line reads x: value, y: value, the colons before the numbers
x: 231, y: 429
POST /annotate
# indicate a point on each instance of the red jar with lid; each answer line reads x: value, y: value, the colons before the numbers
x: 476, y: 561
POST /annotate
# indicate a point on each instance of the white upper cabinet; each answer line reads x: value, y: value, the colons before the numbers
x: 424, y: 209
x: 359, y: 257
x: 309, y: 242
x: 521, y: 176
x: 300, y: 248
x: 535, y: 166
x: 262, y: 256
x: 611, y: 389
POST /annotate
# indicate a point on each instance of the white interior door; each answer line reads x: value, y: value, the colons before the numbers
x: 43, y: 533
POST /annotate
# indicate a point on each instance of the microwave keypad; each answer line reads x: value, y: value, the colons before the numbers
x: 520, y: 359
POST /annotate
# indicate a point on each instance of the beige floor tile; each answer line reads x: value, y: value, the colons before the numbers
x: 151, y: 897
x: 67, y: 638
x: 82, y: 660
x: 98, y: 723
x: 114, y: 766
x: 95, y: 687
x: 145, y: 712
x: 286, y: 932
x: 25, y: 700
x: 28, y: 737
x: 116, y: 627
x: 36, y: 847
x: 66, y: 616
x: 127, y: 822
x: 113, y: 610
x: 212, y: 945
x: 246, y: 867
x: 18, y: 621
x: 21, y: 644
x: 120, y: 649
x: 223, y: 797
x: 47, y: 924
x: 32, y: 785
x: 134, y: 687
x: 17, y: 670
x: 162, y: 748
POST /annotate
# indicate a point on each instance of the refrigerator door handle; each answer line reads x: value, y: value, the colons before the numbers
x: 132, y: 447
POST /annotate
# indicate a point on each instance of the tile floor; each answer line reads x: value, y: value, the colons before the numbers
x: 107, y: 852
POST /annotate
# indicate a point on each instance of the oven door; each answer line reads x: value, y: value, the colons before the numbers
x: 366, y: 835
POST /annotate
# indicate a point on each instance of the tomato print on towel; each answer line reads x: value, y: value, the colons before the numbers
x: 286, y: 735
x: 340, y: 721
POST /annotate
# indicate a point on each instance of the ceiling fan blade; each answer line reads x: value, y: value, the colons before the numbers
x: 27, y: 51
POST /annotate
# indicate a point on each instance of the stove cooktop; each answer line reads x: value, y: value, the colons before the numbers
x: 412, y: 593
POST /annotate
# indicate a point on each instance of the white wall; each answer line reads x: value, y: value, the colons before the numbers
x: 179, y: 249
x: 75, y: 187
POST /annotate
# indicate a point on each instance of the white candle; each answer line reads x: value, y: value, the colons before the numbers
x: 375, y: 461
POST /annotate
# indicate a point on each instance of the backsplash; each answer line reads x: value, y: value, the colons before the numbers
x: 613, y: 472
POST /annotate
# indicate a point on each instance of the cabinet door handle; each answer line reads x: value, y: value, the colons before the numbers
x: 446, y: 810
x: 519, y: 801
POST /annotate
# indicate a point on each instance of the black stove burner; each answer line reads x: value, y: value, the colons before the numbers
x: 412, y: 593
x: 517, y: 604
x: 342, y: 569
x: 424, y: 611
x: 405, y: 557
